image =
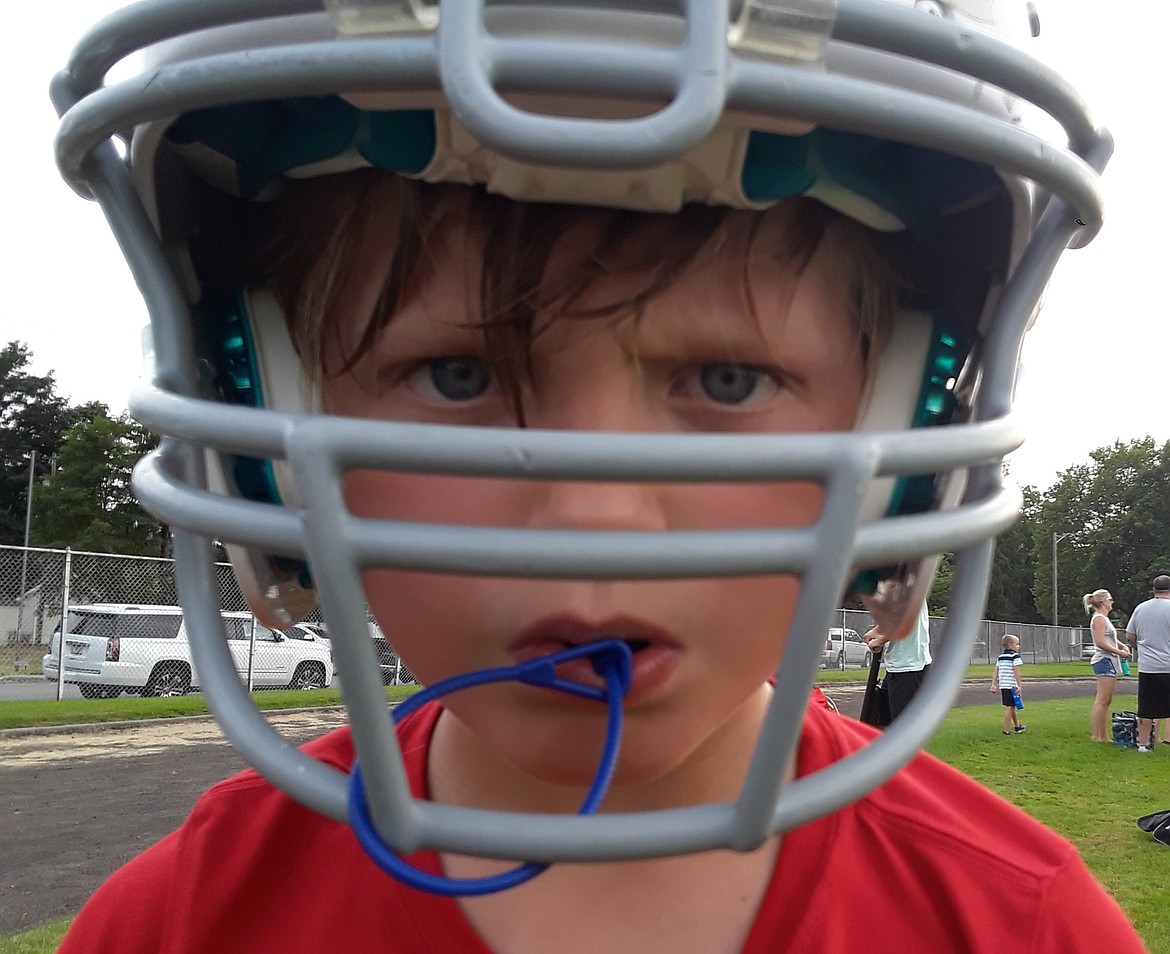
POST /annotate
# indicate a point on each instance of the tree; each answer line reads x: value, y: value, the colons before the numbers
x: 87, y: 503
x: 940, y: 589
x: 1009, y: 594
x: 1110, y: 515
x: 33, y: 417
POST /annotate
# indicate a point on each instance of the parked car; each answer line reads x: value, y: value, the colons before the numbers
x: 388, y: 663
x: 844, y: 647
x: 111, y: 648
x: 308, y: 632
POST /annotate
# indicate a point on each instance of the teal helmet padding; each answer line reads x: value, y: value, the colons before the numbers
x: 915, y: 185
x: 229, y: 342
x: 265, y: 140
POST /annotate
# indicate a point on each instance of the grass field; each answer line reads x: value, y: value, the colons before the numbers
x: 1057, y: 670
x: 1091, y: 794
x: 48, y: 712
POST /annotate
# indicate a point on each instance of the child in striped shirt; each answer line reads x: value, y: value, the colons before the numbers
x: 1006, y: 679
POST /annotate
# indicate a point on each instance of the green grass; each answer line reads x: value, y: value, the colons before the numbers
x: 1091, y: 794
x: 1056, y: 670
x: 31, y: 666
x: 47, y: 712
x: 40, y: 940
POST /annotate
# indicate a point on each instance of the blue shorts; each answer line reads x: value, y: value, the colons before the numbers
x: 1104, y: 668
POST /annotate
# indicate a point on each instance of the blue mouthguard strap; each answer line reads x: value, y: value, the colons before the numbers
x: 611, y: 658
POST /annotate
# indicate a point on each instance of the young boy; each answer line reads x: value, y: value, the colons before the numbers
x: 1006, y: 679
x: 606, y: 404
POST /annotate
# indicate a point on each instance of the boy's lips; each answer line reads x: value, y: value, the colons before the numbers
x: 655, y: 652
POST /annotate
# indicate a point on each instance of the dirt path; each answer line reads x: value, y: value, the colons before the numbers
x: 75, y: 805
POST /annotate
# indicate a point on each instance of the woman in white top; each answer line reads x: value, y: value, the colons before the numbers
x: 1106, y: 659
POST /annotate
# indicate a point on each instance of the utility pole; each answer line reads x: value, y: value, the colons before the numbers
x: 32, y: 465
x: 1056, y: 538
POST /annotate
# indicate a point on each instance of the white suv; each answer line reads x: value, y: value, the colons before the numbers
x: 112, y: 648
x: 844, y: 647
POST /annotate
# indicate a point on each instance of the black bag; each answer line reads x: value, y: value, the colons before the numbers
x: 875, y: 707
x: 1125, y: 729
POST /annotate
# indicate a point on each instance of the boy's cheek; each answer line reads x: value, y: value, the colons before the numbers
x: 430, y: 499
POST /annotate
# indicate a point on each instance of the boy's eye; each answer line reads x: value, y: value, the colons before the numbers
x: 451, y: 379
x: 731, y: 384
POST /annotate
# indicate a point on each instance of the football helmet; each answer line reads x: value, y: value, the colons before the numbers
x: 918, y: 118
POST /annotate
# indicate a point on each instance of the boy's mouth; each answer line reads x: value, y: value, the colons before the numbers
x: 552, y: 635
x: 655, y: 651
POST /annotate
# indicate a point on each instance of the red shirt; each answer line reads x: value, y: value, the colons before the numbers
x: 959, y: 870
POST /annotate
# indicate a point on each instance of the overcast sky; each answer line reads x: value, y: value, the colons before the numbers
x: 1096, y: 364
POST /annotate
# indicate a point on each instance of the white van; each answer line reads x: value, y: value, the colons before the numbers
x: 111, y: 648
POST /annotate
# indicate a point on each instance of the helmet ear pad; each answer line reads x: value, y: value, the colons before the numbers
x: 891, y: 401
x: 912, y: 385
x: 254, y: 363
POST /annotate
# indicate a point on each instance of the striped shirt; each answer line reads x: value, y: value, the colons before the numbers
x: 1005, y: 669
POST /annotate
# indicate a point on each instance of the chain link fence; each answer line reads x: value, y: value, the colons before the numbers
x: 1038, y: 642
x: 124, y: 631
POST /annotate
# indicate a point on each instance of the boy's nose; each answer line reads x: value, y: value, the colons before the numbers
x: 598, y: 506
x: 594, y: 387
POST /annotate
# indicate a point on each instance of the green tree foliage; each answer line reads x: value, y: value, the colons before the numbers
x: 940, y: 590
x: 87, y: 502
x: 33, y: 417
x: 1009, y: 594
x: 1110, y: 515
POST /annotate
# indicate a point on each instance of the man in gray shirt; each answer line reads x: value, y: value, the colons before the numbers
x: 1149, y: 629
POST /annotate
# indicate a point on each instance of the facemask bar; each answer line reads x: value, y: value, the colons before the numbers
x: 171, y: 482
x: 321, y: 449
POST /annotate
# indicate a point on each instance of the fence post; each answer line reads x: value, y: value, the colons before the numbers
x: 251, y: 650
x: 64, y: 624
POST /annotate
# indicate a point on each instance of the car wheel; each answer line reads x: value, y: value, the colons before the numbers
x: 867, y: 661
x: 308, y: 676
x: 168, y: 679
x: 840, y: 661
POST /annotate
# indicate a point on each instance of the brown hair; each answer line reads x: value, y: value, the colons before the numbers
x: 305, y: 245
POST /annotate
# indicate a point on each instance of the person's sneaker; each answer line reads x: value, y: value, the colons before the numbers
x: 1143, y: 748
x: 1006, y: 732
x: 1021, y: 728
